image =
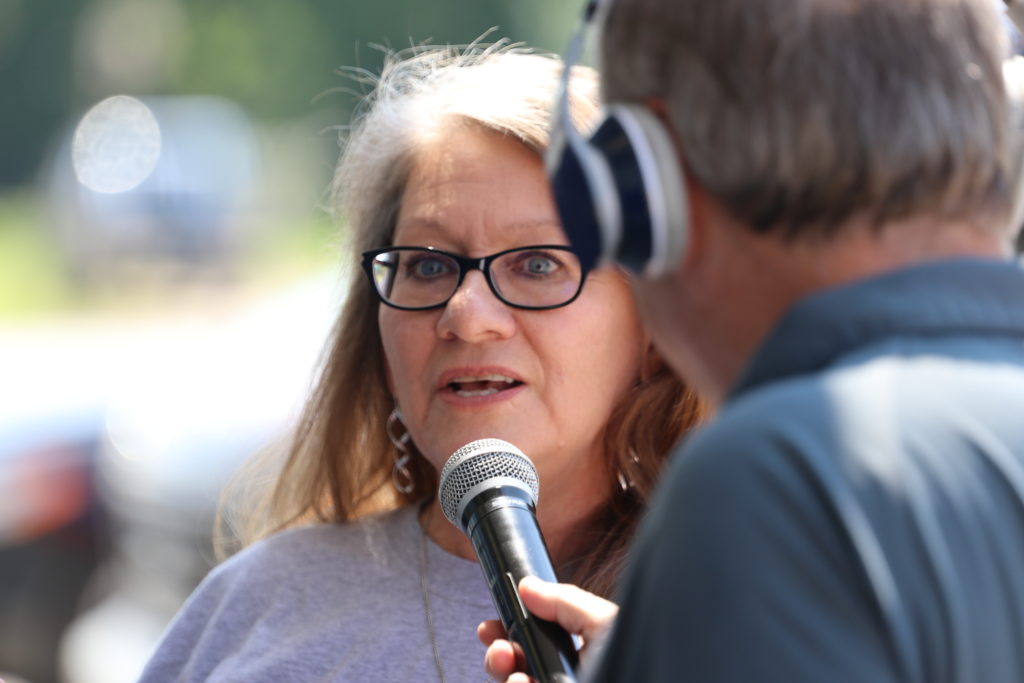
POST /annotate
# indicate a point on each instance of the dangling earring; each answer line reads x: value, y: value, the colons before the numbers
x: 625, y: 483
x: 401, y: 476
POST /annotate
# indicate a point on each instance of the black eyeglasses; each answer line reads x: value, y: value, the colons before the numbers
x: 420, y: 278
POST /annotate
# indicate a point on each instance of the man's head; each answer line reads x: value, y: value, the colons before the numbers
x: 821, y: 141
x: 801, y: 114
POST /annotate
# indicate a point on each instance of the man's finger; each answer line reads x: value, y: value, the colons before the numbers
x: 576, y: 610
x: 500, y: 660
x: 489, y: 631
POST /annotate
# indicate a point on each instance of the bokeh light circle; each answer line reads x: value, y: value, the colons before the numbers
x: 116, y: 145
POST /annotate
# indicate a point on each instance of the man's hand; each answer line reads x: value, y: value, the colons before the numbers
x: 574, y: 609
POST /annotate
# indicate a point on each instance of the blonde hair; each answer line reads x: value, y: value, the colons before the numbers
x: 802, y: 114
x: 339, y: 466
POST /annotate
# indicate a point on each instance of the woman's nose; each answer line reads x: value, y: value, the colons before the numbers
x: 474, y: 313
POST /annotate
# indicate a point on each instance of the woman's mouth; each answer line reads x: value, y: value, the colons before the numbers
x: 484, y: 385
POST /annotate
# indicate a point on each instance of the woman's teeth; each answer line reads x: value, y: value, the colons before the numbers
x: 468, y: 393
x: 469, y: 387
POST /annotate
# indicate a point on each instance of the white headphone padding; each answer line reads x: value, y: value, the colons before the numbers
x: 663, y: 184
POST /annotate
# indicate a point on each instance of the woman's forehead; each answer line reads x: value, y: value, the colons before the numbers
x: 478, y: 186
x: 427, y: 232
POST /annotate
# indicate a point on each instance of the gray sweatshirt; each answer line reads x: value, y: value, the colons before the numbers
x: 330, y: 603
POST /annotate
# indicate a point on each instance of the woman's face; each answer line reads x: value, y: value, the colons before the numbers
x: 558, y: 373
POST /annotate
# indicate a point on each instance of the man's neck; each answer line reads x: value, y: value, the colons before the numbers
x: 862, y: 250
x: 757, y: 278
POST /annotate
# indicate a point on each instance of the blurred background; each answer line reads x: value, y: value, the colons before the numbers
x: 168, y: 274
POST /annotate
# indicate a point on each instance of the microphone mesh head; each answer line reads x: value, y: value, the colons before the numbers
x: 474, y: 464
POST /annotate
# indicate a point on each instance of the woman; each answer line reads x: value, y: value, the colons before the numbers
x: 521, y: 345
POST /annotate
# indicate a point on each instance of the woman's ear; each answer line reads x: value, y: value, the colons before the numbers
x: 652, y: 363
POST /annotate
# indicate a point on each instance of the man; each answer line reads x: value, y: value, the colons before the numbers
x: 855, y: 512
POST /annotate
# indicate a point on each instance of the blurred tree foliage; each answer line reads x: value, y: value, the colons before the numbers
x: 35, y: 80
x: 274, y: 57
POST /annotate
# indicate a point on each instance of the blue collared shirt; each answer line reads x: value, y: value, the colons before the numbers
x: 856, y: 510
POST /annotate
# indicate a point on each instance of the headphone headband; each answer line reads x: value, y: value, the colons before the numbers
x: 619, y: 193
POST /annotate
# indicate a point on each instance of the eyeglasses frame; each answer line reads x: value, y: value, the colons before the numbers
x: 466, y: 264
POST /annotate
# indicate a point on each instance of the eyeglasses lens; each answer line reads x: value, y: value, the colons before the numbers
x: 415, y: 279
x: 537, y: 278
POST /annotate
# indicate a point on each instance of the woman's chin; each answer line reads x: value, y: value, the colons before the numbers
x: 457, y: 436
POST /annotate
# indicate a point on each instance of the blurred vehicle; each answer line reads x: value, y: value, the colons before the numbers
x: 159, y: 181
x: 51, y: 529
x: 115, y: 440
x: 53, y: 398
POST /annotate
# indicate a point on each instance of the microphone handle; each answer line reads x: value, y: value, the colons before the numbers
x: 503, y: 529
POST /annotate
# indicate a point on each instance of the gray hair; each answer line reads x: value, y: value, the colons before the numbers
x: 419, y: 92
x: 800, y: 115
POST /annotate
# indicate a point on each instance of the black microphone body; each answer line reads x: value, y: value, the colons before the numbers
x: 498, y: 514
x: 507, y: 541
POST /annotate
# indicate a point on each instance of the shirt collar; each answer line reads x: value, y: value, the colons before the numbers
x: 968, y: 296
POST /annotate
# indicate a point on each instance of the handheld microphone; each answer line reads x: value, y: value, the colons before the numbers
x: 489, y: 490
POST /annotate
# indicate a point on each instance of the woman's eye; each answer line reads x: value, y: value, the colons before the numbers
x: 538, y: 264
x: 428, y: 267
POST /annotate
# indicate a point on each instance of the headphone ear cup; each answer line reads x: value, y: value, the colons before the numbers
x: 650, y: 188
x: 584, y: 193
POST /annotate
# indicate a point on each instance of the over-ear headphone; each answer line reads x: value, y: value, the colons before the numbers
x: 620, y: 193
